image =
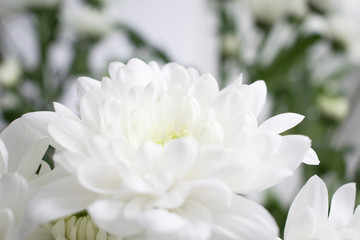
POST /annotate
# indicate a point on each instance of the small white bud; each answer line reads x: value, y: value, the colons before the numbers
x: 333, y: 107
x: 10, y: 72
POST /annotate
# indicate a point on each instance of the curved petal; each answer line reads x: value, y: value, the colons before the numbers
x: 99, y: 178
x: 198, y: 225
x: 272, y: 168
x: 161, y: 221
x: 310, y: 205
x: 311, y: 158
x: 208, y: 191
x: 7, y: 222
x: 38, y: 122
x: 179, y: 156
x: 85, y: 84
x: 205, y: 90
x: 260, y: 96
x: 26, y: 141
x: 3, y: 158
x: 70, y: 161
x: 245, y: 220
x: 280, y: 123
x: 58, y: 199
x: 109, y: 216
x: 355, y: 221
x: 302, y: 228
x: 90, y: 106
x: 342, y: 206
x: 114, y: 68
x: 64, y: 112
x: 70, y: 135
x: 14, y: 191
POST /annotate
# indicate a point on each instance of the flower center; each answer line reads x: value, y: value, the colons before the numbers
x: 75, y: 227
x: 165, y: 131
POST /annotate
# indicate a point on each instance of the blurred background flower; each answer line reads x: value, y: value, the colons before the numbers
x: 307, y: 51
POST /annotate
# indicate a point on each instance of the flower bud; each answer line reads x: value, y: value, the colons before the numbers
x: 10, y: 72
x: 336, y: 107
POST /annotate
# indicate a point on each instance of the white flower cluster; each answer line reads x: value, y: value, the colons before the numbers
x: 15, y: 6
x: 338, y: 20
x: 155, y: 153
x: 77, y: 15
x: 85, y: 19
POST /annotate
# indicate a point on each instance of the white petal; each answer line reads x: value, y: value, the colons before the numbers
x: 292, y: 150
x: 174, y: 198
x: 7, y: 222
x: 301, y: 228
x: 160, y: 182
x: 179, y: 75
x: 145, y: 73
x: 311, y: 158
x: 348, y: 234
x: 355, y: 221
x: 211, y: 159
x: 238, y: 81
x: 26, y: 144
x: 342, y: 206
x: 38, y: 121
x: 14, y: 192
x: 3, y: 158
x: 113, y: 68
x: 109, y: 216
x: 199, y: 221
x: 270, y: 168
x: 58, y: 199
x: 179, y: 156
x: 70, y: 161
x: 312, y: 197
x: 208, y: 191
x: 44, y: 168
x: 40, y: 182
x: 41, y: 233
x: 281, y: 123
x: 245, y: 220
x: 64, y: 112
x: 205, y: 89
x: 99, y: 178
x: 161, y: 221
x: 70, y: 135
x: 260, y: 96
x: 84, y: 84
x: 90, y: 106
x: 187, y: 113
x: 146, y: 157
x: 138, y: 123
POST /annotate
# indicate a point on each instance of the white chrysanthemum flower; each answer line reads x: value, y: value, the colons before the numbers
x: 309, y: 219
x: 158, y: 153
x: 141, y: 104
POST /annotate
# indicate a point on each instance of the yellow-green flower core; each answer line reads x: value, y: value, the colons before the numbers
x: 166, y: 131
